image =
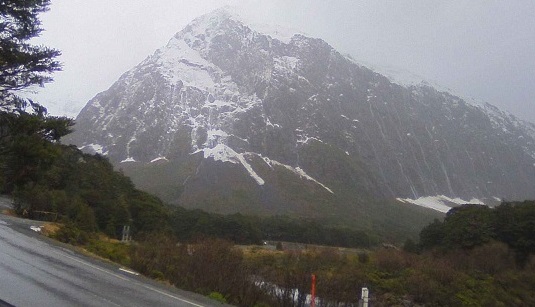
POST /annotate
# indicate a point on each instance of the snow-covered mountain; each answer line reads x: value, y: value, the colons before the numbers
x: 231, y: 117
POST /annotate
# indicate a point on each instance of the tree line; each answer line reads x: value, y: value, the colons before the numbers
x: 470, y: 226
x: 250, y: 229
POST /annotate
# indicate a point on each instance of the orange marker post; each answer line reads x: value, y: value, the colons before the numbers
x: 313, y: 292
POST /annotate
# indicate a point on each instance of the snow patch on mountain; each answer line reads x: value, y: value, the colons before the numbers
x: 286, y: 63
x: 129, y: 159
x: 219, y: 152
x: 159, y: 159
x: 302, y: 173
x: 222, y: 152
x: 181, y: 63
x: 439, y: 203
x: 296, y: 170
x: 94, y: 148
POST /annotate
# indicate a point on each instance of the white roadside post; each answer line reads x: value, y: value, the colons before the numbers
x: 126, y: 234
x: 364, y: 295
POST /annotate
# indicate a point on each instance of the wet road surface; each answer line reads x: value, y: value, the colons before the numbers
x: 34, y: 271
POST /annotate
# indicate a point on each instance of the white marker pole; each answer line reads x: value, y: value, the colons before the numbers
x: 364, y: 296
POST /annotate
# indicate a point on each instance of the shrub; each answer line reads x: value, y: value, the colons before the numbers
x: 218, y: 297
x: 363, y: 257
x: 71, y: 234
x: 392, y: 261
x: 115, y: 251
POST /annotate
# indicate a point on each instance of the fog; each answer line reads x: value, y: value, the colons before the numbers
x: 478, y: 49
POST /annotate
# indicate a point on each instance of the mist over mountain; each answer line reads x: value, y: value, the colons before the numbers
x: 233, y: 117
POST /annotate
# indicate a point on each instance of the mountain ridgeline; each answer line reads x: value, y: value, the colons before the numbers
x: 230, y: 119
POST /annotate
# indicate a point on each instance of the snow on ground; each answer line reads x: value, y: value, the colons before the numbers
x: 129, y: 159
x: 286, y: 63
x: 302, y: 173
x: 96, y: 148
x: 296, y: 170
x: 159, y: 159
x: 439, y: 203
x: 222, y: 152
x: 182, y: 63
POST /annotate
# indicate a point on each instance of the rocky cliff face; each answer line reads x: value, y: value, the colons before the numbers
x: 226, y: 116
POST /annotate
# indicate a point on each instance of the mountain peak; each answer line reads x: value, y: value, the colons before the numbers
x: 221, y: 16
x: 281, y: 117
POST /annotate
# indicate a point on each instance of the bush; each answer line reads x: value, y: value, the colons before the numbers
x: 392, y: 261
x: 115, y: 251
x: 363, y: 257
x: 216, y: 296
x: 157, y: 275
x: 71, y: 234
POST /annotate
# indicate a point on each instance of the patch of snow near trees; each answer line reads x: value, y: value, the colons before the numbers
x: 439, y: 203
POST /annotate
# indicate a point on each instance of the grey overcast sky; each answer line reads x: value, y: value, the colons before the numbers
x: 479, y: 49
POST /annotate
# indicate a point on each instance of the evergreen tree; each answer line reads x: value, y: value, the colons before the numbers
x: 23, y: 65
x: 26, y: 138
x: 28, y: 146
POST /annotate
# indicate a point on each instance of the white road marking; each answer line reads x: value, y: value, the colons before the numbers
x: 172, y: 296
x: 128, y: 271
x: 93, y: 266
x: 126, y: 279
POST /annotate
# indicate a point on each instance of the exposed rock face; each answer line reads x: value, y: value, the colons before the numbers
x: 226, y: 114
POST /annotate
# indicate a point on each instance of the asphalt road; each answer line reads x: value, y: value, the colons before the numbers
x: 34, y: 271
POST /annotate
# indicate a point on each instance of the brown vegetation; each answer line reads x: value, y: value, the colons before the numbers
x: 50, y: 229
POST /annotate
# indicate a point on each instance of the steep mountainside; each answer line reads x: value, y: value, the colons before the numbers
x: 230, y: 119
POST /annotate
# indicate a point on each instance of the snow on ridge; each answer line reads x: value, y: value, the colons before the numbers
x: 302, y: 173
x: 159, y: 159
x: 279, y: 32
x: 129, y: 159
x: 248, y: 167
x: 439, y: 203
x: 297, y: 170
x: 222, y: 152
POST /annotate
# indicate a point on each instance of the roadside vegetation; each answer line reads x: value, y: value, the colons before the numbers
x: 469, y: 272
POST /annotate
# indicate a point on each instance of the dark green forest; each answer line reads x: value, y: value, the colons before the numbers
x: 470, y: 226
